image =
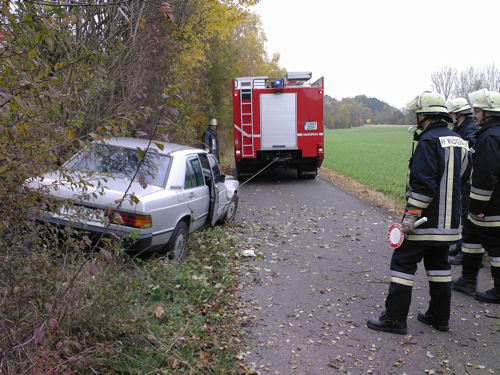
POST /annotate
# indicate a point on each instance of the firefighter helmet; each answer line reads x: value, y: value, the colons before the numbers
x: 460, y: 106
x: 486, y: 100
x: 429, y: 103
x: 213, y: 122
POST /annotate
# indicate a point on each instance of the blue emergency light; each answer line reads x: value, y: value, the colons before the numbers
x: 278, y: 82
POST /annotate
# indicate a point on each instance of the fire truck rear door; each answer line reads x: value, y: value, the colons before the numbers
x: 278, y: 121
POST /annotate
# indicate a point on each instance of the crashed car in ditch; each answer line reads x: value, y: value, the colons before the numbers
x: 152, y: 195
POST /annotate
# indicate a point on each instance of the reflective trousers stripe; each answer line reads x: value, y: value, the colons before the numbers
x: 495, y: 261
x: 399, y: 280
x: 439, y: 279
x: 439, y: 276
x: 472, y: 248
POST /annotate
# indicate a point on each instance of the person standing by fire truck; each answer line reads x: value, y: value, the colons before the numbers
x: 436, y: 171
x: 482, y: 228
x: 466, y: 127
x: 209, y: 139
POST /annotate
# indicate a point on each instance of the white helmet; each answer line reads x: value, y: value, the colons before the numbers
x: 460, y: 106
x: 213, y: 122
x: 486, y: 100
x: 428, y: 103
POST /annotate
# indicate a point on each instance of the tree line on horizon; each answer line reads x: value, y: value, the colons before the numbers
x: 361, y: 110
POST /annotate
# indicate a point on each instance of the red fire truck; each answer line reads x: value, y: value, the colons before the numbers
x: 278, y: 122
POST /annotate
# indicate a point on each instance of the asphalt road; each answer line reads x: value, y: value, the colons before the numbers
x: 322, y: 269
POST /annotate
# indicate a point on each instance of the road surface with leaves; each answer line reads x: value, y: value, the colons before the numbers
x: 321, y: 270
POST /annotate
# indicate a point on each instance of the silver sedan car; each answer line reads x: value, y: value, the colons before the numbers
x: 150, y: 194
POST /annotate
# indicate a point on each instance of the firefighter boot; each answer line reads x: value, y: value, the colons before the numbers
x: 467, y: 286
x: 386, y: 324
x: 490, y: 296
x: 430, y: 320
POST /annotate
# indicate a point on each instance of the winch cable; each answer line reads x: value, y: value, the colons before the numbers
x: 263, y: 169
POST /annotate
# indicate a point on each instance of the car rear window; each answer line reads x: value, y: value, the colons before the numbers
x: 122, y: 163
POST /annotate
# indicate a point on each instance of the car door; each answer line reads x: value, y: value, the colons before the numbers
x: 197, y: 191
x: 220, y: 190
x: 210, y: 183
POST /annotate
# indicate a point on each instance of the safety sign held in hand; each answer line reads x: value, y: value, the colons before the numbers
x: 396, y: 236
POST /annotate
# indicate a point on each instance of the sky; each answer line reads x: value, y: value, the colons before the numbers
x: 387, y: 49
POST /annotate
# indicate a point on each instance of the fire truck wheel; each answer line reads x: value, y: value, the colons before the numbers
x: 307, y: 174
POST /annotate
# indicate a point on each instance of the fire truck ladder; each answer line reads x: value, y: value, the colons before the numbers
x: 246, y: 111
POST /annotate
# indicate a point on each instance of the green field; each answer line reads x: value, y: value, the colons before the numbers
x: 376, y: 156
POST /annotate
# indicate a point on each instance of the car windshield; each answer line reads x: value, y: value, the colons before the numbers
x: 122, y: 163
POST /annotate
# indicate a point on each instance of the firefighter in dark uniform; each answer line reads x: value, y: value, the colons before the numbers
x: 466, y: 127
x: 209, y: 139
x: 481, y: 231
x: 437, y: 168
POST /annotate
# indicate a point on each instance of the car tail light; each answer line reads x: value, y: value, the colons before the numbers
x: 237, y: 153
x: 131, y: 220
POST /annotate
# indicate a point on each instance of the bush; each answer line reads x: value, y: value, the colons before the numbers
x: 68, y: 311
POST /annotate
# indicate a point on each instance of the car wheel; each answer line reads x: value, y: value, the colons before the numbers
x: 176, y: 246
x: 231, y: 210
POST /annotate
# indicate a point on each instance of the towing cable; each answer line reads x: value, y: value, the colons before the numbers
x: 279, y: 158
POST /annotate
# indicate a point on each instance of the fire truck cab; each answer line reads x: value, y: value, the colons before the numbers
x: 278, y: 122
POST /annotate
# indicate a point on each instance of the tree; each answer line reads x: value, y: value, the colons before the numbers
x: 343, y: 118
x: 469, y: 80
x: 444, y: 81
x: 73, y: 74
x: 450, y: 83
x: 491, y: 78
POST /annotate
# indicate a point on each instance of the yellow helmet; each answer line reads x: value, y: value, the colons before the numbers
x: 486, y: 100
x: 458, y: 106
x: 428, y: 103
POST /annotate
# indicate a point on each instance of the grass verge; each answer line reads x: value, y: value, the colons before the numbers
x: 149, y: 316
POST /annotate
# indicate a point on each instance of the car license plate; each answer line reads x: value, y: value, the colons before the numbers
x: 311, y: 125
x: 82, y: 214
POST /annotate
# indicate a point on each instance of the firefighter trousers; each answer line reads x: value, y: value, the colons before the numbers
x: 403, y: 267
x: 476, y: 241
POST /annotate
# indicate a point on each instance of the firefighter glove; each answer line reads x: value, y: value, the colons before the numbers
x: 411, y: 216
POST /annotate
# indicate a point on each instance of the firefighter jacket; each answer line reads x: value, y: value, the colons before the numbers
x: 467, y: 129
x: 210, y: 142
x: 438, y: 168
x: 485, y: 189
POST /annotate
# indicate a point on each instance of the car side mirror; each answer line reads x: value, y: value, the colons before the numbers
x: 222, y: 178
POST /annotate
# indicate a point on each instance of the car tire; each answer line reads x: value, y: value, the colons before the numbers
x: 231, y: 210
x: 176, y: 246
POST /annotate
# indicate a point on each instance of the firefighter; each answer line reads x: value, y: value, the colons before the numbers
x: 436, y: 170
x: 482, y: 228
x: 209, y: 139
x: 466, y: 127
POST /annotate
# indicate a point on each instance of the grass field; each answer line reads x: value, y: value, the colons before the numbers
x: 376, y: 156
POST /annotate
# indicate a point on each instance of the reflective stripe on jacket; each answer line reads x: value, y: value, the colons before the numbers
x: 438, y: 168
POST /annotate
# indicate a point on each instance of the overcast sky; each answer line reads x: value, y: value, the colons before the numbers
x: 385, y: 49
